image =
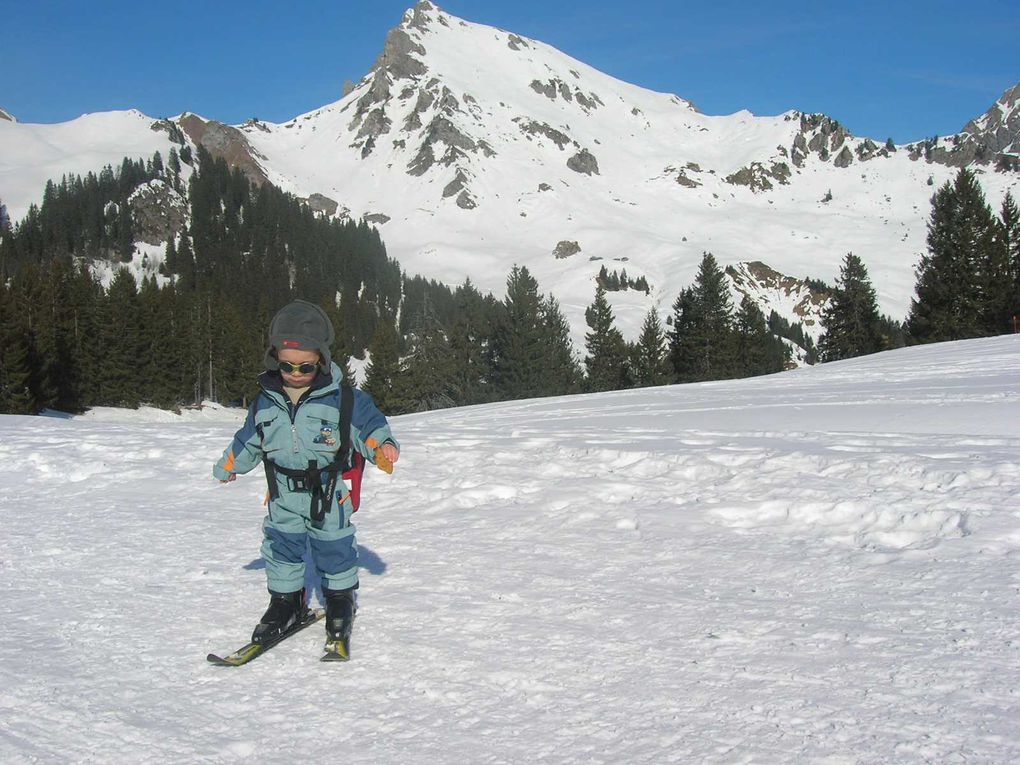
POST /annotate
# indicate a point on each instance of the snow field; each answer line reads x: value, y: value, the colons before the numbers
x: 818, y: 566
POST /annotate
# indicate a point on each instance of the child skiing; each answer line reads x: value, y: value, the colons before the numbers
x: 305, y: 427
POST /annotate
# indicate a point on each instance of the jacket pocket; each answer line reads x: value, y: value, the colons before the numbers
x: 273, y: 430
x: 322, y: 436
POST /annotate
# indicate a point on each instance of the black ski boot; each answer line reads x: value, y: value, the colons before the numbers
x: 340, y: 611
x: 285, y: 610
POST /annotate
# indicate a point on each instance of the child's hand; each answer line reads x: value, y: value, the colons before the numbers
x: 391, y: 452
x: 385, y: 455
x: 233, y: 477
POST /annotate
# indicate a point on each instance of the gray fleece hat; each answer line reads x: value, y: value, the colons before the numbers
x: 303, y: 326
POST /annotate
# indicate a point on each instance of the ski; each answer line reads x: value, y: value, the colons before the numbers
x: 253, y: 650
x: 337, y: 650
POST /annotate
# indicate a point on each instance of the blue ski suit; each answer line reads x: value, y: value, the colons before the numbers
x: 291, y: 436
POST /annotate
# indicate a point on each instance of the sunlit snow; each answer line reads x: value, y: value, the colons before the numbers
x: 817, y: 566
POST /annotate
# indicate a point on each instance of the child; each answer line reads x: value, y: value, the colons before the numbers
x: 293, y: 426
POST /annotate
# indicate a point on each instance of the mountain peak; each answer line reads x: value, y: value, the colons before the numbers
x: 998, y: 129
x: 418, y: 17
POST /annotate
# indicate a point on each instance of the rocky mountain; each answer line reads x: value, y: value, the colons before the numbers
x: 793, y: 299
x: 473, y: 148
x: 997, y: 131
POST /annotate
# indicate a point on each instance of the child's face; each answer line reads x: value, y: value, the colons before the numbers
x: 295, y: 379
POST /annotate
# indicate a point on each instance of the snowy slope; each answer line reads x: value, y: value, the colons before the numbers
x: 817, y: 566
x: 32, y: 154
x: 474, y: 149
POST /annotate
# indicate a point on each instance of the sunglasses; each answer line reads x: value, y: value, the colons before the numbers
x: 305, y: 369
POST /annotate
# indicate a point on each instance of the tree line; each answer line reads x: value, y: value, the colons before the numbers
x: 196, y: 330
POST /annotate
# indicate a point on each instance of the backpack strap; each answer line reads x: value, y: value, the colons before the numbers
x: 346, y: 412
x: 355, y: 465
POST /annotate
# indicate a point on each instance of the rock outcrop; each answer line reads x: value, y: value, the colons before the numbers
x: 159, y: 212
x: 226, y: 142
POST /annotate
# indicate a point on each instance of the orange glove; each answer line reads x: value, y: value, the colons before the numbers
x: 382, y: 459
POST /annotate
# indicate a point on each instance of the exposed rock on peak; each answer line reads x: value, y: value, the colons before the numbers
x: 418, y: 16
x: 322, y: 204
x: 772, y: 290
x: 819, y: 134
x: 555, y: 87
x: 534, y: 128
x: 171, y: 129
x: 514, y: 42
x: 396, y: 59
x: 226, y: 142
x: 998, y: 129
x: 565, y: 248
x: 759, y: 178
x: 584, y: 162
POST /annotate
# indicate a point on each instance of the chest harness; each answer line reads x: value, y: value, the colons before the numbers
x: 321, y: 481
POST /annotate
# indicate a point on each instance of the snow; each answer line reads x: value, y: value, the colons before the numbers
x: 32, y: 154
x: 816, y: 566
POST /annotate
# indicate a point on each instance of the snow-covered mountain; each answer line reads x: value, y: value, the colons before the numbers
x: 473, y: 148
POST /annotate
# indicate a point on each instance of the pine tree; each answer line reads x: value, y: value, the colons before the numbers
x: 712, y: 337
x: 384, y: 366
x: 169, y: 370
x: 516, y: 345
x: 119, y: 369
x: 562, y: 372
x: 151, y: 344
x: 341, y: 351
x: 851, y: 317
x: 606, y: 362
x: 173, y: 164
x: 469, y: 335
x: 34, y: 300
x: 952, y: 275
x: 758, y: 351
x: 186, y: 264
x: 86, y: 342
x: 650, y: 360
x: 428, y: 374
x: 682, y: 347
x: 169, y: 265
x: 997, y: 282
x: 1009, y: 221
x: 15, y: 392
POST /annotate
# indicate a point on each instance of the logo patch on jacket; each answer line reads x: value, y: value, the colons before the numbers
x: 327, y: 434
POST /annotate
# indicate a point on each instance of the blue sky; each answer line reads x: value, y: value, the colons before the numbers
x: 906, y: 70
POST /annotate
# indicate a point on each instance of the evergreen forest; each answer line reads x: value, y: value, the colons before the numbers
x: 194, y: 329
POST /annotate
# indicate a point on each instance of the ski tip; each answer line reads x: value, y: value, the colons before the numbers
x: 330, y: 657
x: 336, y: 651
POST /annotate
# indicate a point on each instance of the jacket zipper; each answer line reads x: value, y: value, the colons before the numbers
x: 292, y: 410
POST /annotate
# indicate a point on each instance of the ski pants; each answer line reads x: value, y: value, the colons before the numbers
x: 287, y: 531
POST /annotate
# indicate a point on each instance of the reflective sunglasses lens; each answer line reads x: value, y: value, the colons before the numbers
x: 305, y: 369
